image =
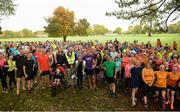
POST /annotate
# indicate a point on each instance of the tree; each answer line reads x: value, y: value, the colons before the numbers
x: 26, y: 33
x: 8, y: 33
x: 90, y: 31
x: 174, y: 28
x: 150, y: 22
x: 61, y: 23
x: 7, y: 8
x: 138, y: 9
x: 130, y: 30
x: 81, y: 27
x: 118, y: 30
x: 137, y: 29
x: 100, y: 29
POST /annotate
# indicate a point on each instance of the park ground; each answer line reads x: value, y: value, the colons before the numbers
x: 85, y: 99
x: 73, y: 99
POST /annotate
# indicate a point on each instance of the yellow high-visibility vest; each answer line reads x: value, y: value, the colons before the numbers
x: 71, y: 59
x: 11, y: 65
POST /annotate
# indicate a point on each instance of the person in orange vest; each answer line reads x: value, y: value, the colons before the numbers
x: 148, y: 80
x: 161, y: 84
x: 174, y: 76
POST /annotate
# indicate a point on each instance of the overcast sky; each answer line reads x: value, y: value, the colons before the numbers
x: 30, y: 13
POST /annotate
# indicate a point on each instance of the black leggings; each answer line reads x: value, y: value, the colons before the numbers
x: 3, y: 81
x: 127, y: 82
x: 12, y: 79
x: 122, y: 73
x: 79, y: 80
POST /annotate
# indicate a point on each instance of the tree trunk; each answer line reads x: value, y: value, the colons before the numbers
x: 150, y: 27
x: 149, y: 34
x: 64, y: 38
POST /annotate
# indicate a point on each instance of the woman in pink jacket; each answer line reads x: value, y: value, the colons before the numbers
x: 127, y: 72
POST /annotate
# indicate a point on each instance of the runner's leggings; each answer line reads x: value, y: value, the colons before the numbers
x: 80, y: 80
x: 3, y: 81
x: 12, y: 80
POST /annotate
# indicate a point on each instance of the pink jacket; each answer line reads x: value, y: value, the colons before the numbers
x: 2, y: 62
x: 127, y: 70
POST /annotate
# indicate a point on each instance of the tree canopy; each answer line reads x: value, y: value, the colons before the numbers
x: 7, y: 8
x: 137, y: 29
x: 100, y: 29
x: 138, y: 9
x: 61, y: 23
x: 118, y: 30
x: 174, y: 28
x: 22, y: 33
x: 81, y: 27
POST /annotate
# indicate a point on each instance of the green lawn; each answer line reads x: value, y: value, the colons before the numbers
x: 165, y: 38
x: 123, y: 37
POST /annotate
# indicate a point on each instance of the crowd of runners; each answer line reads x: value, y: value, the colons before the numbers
x: 153, y: 69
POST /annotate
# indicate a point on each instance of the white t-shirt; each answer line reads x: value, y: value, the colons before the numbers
x: 2, y: 51
x: 84, y: 63
x: 25, y: 47
x: 113, y: 55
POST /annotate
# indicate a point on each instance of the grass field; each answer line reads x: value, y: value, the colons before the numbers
x: 165, y: 38
x: 74, y: 99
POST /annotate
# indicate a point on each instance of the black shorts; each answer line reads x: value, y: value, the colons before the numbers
x: 146, y: 89
x: 89, y: 71
x: 110, y: 80
x: 57, y: 77
x: 20, y: 73
x: 35, y: 71
x: 45, y: 73
x: 118, y: 74
x: 97, y: 70
x: 30, y: 77
x: 160, y: 88
x: 172, y: 88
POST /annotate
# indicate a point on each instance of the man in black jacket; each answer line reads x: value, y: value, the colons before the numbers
x: 61, y: 58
